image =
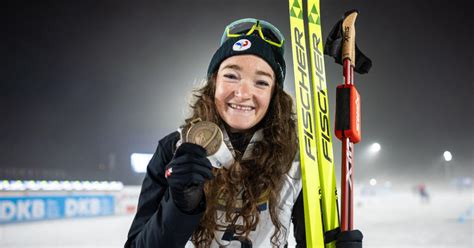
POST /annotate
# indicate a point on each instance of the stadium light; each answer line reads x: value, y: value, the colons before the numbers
x: 373, y: 182
x: 375, y: 148
x: 447, y: 156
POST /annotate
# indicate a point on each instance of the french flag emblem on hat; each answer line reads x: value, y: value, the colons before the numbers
x: 242, y: 45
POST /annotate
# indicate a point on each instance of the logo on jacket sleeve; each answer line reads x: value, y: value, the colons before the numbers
x: 168, y: 172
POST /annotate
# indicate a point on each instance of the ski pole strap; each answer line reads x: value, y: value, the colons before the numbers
x: 348, y: 113
x: 331, y: 235
x: 333, y: 48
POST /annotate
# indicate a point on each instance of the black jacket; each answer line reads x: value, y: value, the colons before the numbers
x: 159, y: 223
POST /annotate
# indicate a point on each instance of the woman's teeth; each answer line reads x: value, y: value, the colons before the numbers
x: 240, y: 107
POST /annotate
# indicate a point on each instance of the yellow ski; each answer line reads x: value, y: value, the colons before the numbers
x: 316, y: 154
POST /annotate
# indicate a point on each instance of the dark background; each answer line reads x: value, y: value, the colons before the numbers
x: 84, y: 84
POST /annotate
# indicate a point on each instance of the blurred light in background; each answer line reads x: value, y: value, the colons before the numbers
x: 375, y: 147
x: 31, y: 185
x: 140, y: 161
x: 447, y: 156
x: 373, y: 182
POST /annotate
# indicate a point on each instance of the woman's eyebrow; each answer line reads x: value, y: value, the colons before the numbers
x: 263, y: 73
x: 238, y: 68
x: 232, y: 66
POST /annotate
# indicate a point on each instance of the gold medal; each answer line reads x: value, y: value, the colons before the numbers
x: 206, y: 134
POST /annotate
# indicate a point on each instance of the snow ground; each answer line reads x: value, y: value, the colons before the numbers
x: 388, y: 219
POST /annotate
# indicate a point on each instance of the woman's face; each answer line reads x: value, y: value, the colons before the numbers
x: 244, y: 87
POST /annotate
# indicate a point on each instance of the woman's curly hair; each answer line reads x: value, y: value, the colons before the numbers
x: 258, y: 177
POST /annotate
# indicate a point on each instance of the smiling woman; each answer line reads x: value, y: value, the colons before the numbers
x: 188, y: 200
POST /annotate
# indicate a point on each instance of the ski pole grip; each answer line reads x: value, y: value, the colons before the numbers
x: 348, y: 34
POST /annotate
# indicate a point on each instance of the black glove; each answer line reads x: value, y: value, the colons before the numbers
x: 349, y: 239
x: 186, y: 174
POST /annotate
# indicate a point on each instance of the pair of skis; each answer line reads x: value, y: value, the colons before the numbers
x: 316, y: 155
x: 314, y: 132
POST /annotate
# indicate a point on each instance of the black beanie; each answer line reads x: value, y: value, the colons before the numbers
x: 254, y: 45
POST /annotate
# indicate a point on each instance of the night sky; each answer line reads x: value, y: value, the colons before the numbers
x: 86, y: 83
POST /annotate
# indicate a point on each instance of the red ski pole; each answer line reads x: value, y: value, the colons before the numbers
x: 348, y: 119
